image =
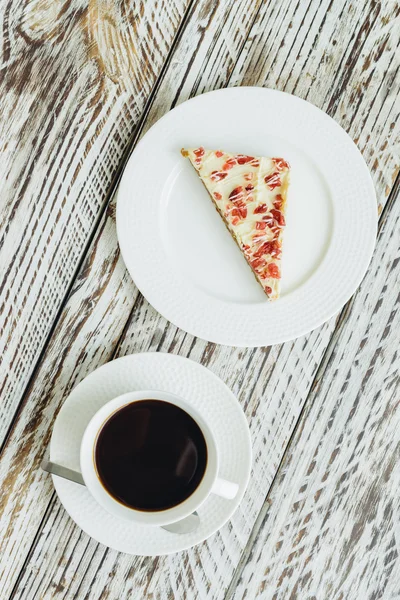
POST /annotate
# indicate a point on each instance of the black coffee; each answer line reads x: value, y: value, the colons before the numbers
x: 150, y: 455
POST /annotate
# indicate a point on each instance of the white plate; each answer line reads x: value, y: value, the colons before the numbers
x: 169, y: 373
x: 183, y: 259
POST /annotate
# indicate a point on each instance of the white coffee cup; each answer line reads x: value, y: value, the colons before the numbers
x: 210, y: 483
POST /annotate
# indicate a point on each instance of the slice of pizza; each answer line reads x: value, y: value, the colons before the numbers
x: 250, y: 194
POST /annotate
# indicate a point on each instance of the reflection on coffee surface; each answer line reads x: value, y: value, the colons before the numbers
x: 150, y: 455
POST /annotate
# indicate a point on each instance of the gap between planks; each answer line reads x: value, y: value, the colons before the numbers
x: 112, y: 188
x: 140, y: 128
x: 340, y: 324
x: 136, y: 135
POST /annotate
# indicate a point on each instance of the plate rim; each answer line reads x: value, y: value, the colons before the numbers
x: 61, y: 486
x: 230, y: 339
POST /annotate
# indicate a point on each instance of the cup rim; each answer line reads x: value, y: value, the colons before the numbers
x: 113, y: 506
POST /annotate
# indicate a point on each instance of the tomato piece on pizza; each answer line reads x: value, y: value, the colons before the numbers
x: 250, y: 194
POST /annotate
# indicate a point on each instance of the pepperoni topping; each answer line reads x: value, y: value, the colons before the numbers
x: 218, y: 175
x: 268, y: 289
x: 199, y: 152
x: 218, y: 154
x: 261, y: 208
x: 278, y: 201
x: 248, y: 176
x: 231, y: 162
x: 273, y: 271
x: 261, y: 225
x: 249, y: 187
x: 217, y: 196
x: 273, y: 180
x: 281, y: 164
x: 278, y: 216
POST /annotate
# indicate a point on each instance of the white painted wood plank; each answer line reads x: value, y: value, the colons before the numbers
x: 97, y: 310
x: 74, y: 83
x: 92, y: 326
x: 272, y: 385
x: 342, y: 57
x: 203, y: 566
x: 332, y: 521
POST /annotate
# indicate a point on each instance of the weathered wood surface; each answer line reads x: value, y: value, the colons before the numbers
x: 332, y: 520
x: 87, y: 334
x: 74, y: 81
x: 43, y: 553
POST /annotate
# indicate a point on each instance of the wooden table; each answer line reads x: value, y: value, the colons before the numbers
x: 80, y: 84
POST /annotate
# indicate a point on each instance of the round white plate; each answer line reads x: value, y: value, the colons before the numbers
x: 183, y: 259
x: 169, y: 373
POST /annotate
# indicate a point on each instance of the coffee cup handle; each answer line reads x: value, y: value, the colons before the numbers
x: 225, y: 489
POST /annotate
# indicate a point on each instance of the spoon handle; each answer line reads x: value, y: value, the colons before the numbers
x: 186, y: 525
x: 61, y: 471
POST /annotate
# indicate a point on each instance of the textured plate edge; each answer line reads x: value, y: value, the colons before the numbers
x: 232, y: 341
x: 246, y: 428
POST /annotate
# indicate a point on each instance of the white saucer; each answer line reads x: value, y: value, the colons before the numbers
x: 182, y: 257
x: 169, y: 373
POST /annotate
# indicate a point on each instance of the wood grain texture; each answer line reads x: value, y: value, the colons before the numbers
x: 208, y: 567
x: 89, y: 327
x: 331, y: 529
x: 342, y: 57
x: 91, y: 304
x: 272, y: 384
x: 74, y: 80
